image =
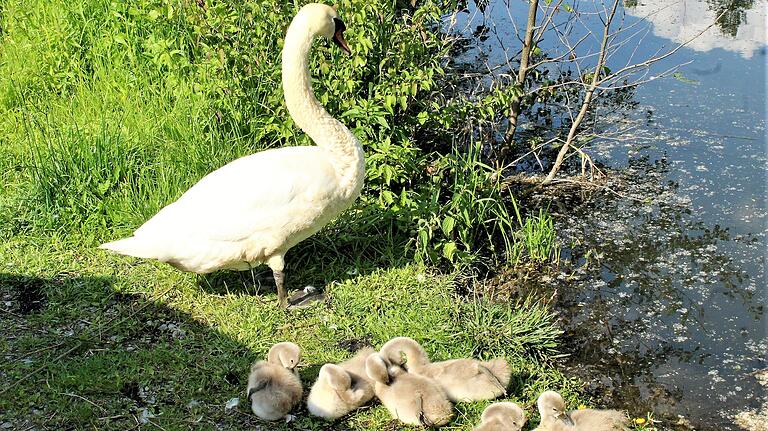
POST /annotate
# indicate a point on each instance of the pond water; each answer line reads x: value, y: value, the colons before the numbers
x: 670, y: 315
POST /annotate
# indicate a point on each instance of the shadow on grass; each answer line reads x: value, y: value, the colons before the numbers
x: 77, y: 353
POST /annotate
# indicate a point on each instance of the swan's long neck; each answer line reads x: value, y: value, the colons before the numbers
x: 327, y: 132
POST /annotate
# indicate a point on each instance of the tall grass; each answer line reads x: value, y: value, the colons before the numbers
x: 105, y: 136
x: 462, y: 214
x: 536, y: 240
x: 523, y: 330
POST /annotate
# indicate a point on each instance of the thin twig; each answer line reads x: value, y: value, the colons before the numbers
x: 109, y: 418
x: 155, y: 424
x: 587, y: 97
x: 84, y: 399
x: 652, y: 60
x: 41, y: 349
x: 40, y: 368
x: 514, y: 110
x: 11, y: 313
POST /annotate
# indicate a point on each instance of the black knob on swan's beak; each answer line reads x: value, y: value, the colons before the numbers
x: 338, y: 36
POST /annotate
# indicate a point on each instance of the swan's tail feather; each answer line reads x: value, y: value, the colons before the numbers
x: 132, y: 246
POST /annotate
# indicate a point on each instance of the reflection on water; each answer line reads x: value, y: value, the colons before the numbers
x: 660, y: 320
x: 669, y: 316
x: 741, y: 28
x: 733, y: 14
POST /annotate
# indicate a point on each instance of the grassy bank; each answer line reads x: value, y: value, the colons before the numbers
x: 144, y: 337
x: 110, y: 110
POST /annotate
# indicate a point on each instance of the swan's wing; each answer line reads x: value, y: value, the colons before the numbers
x: 469, y: 371
x: 265, y: 192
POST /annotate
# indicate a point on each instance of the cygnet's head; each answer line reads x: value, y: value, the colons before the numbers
x: 404, y: 351
x: 285, y: 354
x: 377, y: 368
x: 505, y: 412
x: 335, y: 376
x: 552, y: 407
x: 323, y: 20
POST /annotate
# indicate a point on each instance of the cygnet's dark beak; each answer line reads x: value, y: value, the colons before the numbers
x: 566, y: 418
x: 338, y: 36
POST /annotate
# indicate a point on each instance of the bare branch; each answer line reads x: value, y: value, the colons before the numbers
x: 652, y: 60
x: 587, y: 98
x: 527, y: 46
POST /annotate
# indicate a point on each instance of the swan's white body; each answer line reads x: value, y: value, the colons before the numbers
x: 252, y: 210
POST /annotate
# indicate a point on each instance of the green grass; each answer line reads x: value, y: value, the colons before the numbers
x: 109, y: 312
x: 538, y: 238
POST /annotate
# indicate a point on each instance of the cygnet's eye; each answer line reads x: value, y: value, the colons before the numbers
x: 554, y: 409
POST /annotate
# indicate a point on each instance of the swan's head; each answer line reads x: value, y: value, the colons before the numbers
x: 285, y: 354
x: 323, y: 20
x: 336, y: 377
x: 552, y: 408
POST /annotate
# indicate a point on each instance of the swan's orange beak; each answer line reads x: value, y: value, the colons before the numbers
x: 338, y: 36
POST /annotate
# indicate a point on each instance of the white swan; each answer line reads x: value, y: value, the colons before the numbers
x: 254, y: 209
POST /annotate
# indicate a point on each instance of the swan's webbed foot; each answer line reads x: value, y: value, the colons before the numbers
x: 305, y: 298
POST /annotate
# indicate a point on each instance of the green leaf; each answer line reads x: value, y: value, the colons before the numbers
x: 389, y: 102
x: 680, y: 77
x: 383, y: 121
x: 423, y: 238
x: 388, y: 197
x: 448, y: 224
x: 103, y: 187
x: 449, y: 250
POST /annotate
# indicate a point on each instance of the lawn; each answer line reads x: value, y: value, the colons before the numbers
x: 105, y: 339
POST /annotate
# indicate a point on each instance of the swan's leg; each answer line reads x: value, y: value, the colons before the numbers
x: 276, y: 263
x: 282, y: 298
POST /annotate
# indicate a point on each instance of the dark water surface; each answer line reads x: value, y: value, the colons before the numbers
x: 670, y: 316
